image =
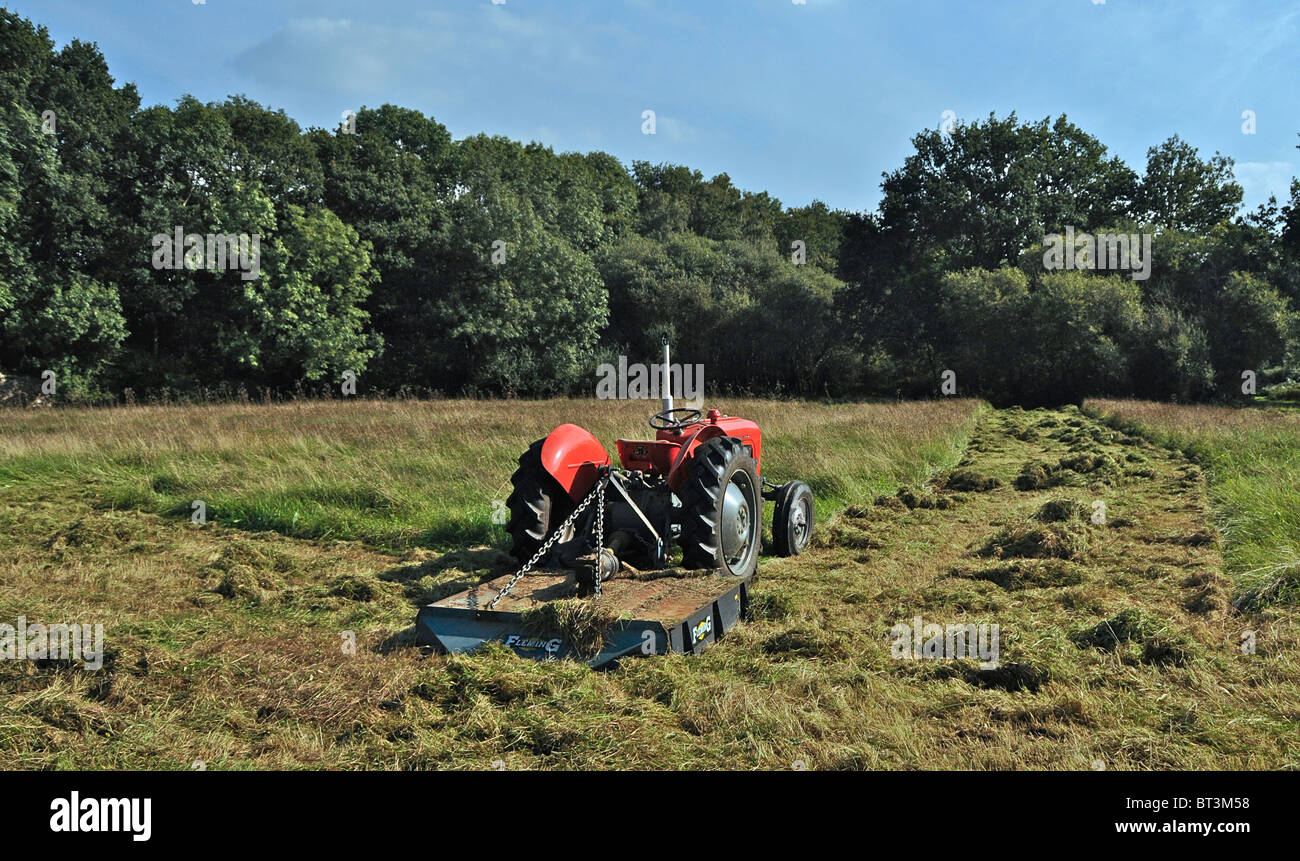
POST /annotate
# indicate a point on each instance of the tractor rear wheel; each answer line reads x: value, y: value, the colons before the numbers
x: 722, y: 509
x: 537, y: 505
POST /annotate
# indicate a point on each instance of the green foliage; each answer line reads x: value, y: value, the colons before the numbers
x: 1247, y: 327
x: 490, y: 266
x: 313, y: 323
x: 527, y: 323
x: 390, y: 181
x: 1063, y: 336
x: 820, y: 229
x: 751, y: 317
x: 981, y: 194
x: 1182, y: 192
x: 1170, y: 357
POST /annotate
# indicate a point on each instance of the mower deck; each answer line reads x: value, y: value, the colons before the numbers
x: 657, y: 614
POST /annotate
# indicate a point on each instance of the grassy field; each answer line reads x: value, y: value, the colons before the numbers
x: 1119, y: 646
x: 402, y: 474
x: 1252, y: 457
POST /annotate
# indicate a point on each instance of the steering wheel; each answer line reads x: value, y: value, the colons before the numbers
x: 668, y: 420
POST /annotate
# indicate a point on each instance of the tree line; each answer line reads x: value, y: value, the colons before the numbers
x: 485, y: 266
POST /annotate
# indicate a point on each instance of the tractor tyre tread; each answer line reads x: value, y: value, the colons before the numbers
x: 537, y: 504
x: 712, y: 462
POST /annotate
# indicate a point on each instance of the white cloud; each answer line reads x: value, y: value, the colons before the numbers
x: 437, y: 46
x: 676, y: 130
x: 1259, y: 179
x: 337, y: 54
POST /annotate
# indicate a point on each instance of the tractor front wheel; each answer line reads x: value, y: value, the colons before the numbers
x: 537, y: 505
x: 792, y: 522
x: 722, y: 509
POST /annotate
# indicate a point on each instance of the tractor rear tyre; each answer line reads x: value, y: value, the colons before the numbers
x: 722, y: 509
x: 792, y: 522
x: 537, y: 505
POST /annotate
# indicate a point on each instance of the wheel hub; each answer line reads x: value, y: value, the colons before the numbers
x: 737, y: 523
x: 800, y: 524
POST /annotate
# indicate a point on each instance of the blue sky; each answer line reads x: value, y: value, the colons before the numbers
x: 808, y: 101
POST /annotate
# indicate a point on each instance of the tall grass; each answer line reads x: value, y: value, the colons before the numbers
x: 397, y: 474
x: 1252, y: 459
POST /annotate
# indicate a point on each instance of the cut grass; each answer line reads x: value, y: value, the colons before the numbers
x: 1156, y: 643
x: 582, y: 623
x: 1028, y: 574
x: 1038, y: 541
x: 1252, y: 458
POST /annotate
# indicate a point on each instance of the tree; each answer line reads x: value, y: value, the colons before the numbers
x: 392, y: 182
x: 1181, y: 192
x: 311, y: 319
x: 1061, y: 336
x: 755, y: 320
x: 1247, y: 330
x: 59, y: 116
x: 1075, y: 330
x: 521, y: 316
x: 820, y: 229
x: 1170, y: 357
x: 984, y: 192
x: 972, y: 303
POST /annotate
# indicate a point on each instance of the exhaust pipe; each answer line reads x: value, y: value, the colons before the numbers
x: 666, y: 386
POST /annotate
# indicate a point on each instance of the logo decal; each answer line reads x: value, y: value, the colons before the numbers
x: 700, y: 631
x: 550, y: 646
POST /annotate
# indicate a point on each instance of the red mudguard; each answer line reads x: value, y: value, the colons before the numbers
x: 572, y: 456
x: 716, y: 425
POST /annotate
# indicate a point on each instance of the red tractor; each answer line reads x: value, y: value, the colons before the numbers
x: 697, y: 485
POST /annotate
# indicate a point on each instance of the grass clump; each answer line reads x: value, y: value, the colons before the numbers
x: 1012, y: 676
x: 1061, y: 511
x: 891, y: 502
x: 354, y: 588
x: 1281, y: 588
x: 242, y: 582
x: 1127, y: 626
x: 913, y: 498
x: 1038, y: 541
x: 244, y: 572
x: 1087, y: 462
x: 771, y: 606
x: 1021, y: 574
x: 1033, y: 476
x: 842, y: 533
x: 970, y: 480
x: 1077, y: 468
x: 1155, y: 643
x: 583, y: 623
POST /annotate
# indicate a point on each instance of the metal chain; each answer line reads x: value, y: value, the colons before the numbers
x: 600, y: 533
x: 597, y: 491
